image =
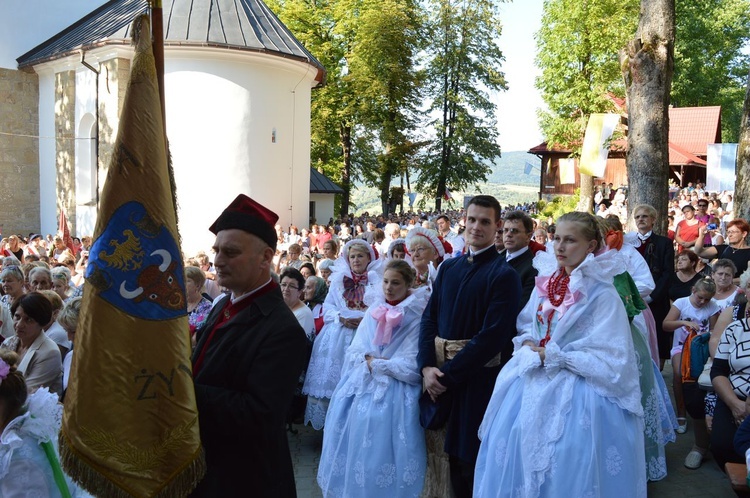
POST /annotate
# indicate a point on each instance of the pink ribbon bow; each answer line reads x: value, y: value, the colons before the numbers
x: 388, y: 318
x: 542, y: 284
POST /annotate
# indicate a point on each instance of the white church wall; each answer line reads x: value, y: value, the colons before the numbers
x: 323, y: 207
x: 237, y: 124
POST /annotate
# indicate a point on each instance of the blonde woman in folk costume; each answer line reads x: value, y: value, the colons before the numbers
x: 566, y: 410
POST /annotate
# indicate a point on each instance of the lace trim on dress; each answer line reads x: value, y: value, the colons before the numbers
x: 41, y: 420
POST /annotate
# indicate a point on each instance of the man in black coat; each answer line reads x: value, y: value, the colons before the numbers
x: 249, y: 355
x: 474, y: 301
x: 518, y: 227
x: 658, y: 251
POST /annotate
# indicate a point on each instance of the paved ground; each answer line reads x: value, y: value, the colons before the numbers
x: 706, y: 482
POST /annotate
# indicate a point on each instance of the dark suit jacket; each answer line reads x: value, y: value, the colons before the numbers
x: 243, y: 390
x: 658, y: 252
x: 477, y: 301
x: 526, y: 271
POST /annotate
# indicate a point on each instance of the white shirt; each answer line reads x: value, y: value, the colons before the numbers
x: 515, y: 254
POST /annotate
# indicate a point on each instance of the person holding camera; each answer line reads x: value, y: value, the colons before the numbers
x: 736, y: 250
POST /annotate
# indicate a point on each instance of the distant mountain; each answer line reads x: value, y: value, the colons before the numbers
x: 507, y: 182
x: 509, y: 169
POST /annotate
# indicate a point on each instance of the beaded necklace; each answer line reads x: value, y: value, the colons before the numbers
x: 557, y: 287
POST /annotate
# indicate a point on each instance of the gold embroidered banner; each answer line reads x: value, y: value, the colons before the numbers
x: 130, y: 425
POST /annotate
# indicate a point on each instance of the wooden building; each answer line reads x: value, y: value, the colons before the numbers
x: 691, y: 129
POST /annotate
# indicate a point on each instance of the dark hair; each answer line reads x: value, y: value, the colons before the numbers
x: 486, y: 201
x: 443, y: 216
x: 403, y: 268
x: 13, y: 390
x: 35, y: 305
x: 551, y: 229
x: 399, y: 246
x: 690, y: 255
x: 524, y: 218
x: 309, y: 266
x: 294, y: 274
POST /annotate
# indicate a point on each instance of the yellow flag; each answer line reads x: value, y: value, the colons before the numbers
x: 594, y: 153
x: 130, y: 425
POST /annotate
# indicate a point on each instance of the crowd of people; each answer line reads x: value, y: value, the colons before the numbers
x: 477, y: 352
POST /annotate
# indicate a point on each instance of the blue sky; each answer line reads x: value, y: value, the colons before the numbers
x: 26, y: 23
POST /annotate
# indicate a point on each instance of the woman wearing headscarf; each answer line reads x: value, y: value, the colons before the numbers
x: 427, y: 251
x: 344, y: 308
x: 316, y: 291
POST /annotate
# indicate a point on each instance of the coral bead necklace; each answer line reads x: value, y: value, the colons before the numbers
x: 557, y: 287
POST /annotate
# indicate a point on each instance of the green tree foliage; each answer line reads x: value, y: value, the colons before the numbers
x: 577, y: 48
x: 314, y: 23
x: 558, y: 206
x: 378, y: 114
x: 463, y: 64
x: 577, y: 53
x: 360, y: 119
x: 710, y: 67
x: 386, y: 82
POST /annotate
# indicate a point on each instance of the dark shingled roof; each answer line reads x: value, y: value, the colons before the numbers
x: 319, y: 184
x: 234, y: 24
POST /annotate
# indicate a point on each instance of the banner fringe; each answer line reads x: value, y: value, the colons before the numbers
x: 99, y: 485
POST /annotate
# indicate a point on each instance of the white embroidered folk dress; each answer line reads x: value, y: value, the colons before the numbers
x: 660, y: 420
x: 25, y: 470
x: 373, y: 445
x: 575, y: 423
x: 327, y: 359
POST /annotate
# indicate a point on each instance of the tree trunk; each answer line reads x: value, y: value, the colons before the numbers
x: 440, y: 193
x: 586, y: 200
x: 345, y: 132
x: 385, y: 190
x: 742, y: 185
x: 648, y: 64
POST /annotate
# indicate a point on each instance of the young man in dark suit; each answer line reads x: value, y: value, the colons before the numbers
x: 466, y: 336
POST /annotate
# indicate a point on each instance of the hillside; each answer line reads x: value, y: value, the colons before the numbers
x: 507, y: 182
x: 509, y: 169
